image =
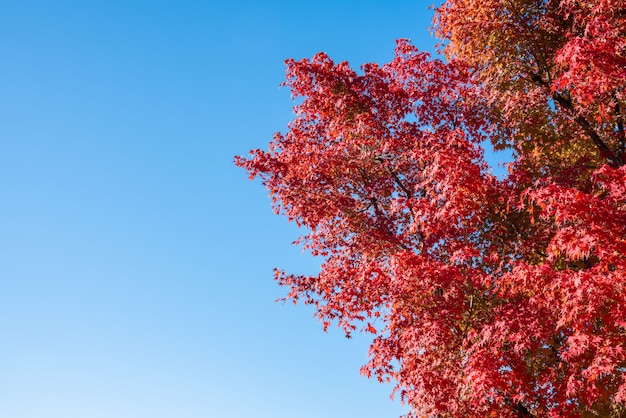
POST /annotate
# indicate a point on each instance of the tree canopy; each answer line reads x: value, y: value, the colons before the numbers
x: 486, y: 296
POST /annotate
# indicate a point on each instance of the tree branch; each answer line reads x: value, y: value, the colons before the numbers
x: 397, y: 180
x: 614, y: 159
x: 610, y: 156
x: 380, y: 214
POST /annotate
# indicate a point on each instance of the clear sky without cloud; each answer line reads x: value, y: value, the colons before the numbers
x: 135, y: 259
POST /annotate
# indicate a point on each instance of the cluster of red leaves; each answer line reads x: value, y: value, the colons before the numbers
x: 486, y: 296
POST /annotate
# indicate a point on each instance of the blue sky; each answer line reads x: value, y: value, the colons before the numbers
x: 135, y: 259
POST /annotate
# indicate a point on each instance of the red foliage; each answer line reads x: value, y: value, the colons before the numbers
x: 486, y: 296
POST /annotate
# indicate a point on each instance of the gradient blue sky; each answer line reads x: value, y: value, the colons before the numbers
x: 135, y: 259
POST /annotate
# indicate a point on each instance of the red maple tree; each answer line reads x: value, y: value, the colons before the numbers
x: 485, y: 296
